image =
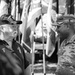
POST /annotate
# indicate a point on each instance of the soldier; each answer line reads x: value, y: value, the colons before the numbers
x: 66, y: 53
x: 12, y: 55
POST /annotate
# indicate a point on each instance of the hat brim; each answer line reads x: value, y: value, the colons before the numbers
x: 8, y: 19
x: 57, y: 24
x: 18, y: 22
x: 66, y: 18
x: 10, y: 23
x: 69, y: 17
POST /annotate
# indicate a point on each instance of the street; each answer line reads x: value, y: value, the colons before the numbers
x: 50, y: 69
x: 42, y: 74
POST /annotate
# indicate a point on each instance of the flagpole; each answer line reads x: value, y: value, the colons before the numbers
x: 33, y: 50
x: 9, y: 9
x: 44, y: 68
x: 15, y: 10
x: 25, y: 16
x: 48, y: 47
x: 33, y: 45
x: 18, y: 17
x: 24, y: 19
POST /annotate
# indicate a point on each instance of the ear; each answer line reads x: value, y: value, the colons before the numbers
x: 1, y: 29
x: 14, y: 33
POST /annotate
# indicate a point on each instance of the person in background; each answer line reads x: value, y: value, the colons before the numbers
x: 66, y: 52
x: 12, y: 55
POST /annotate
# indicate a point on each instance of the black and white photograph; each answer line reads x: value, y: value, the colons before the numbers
x: 37, y: 37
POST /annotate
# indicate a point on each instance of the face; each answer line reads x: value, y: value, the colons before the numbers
x: 9, y: 31
x: 63, y: 30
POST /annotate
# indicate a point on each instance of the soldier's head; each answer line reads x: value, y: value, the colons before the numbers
x: 8, y: 26
x: 65, y: 25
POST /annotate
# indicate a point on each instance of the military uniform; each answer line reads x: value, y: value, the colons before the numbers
x: 13, y: 59
x: 66, y: 52
x: 66, y: 58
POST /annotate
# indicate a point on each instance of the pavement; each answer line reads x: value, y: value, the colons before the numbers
x: 42, y: 74
x: 50, y: 69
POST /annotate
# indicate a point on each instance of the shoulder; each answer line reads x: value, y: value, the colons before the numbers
x: 18, y: 45
x: 72, y: 46
x: 71, y: 43
x: 18, y: 48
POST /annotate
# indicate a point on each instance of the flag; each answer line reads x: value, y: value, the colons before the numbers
x: 44, y: 6
x: 13, y: 9
x: 3, y: 7
x: 18, y: 10
x: 23, y: 26
x: 62, y: 7
x: 34, y: 12
x: 42, y: 21
x: 70, y: 6
x: 51, y: 37
x: 24, y: 16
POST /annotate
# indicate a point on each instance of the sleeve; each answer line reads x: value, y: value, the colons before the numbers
x: 26, y: 62
x: 7, y: 66
x: 70, y: 53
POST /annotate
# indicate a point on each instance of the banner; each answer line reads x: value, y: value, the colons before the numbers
x: 3, y: 7
x: 34, y: 12
x: 51, y: 34
x: 23, y: 26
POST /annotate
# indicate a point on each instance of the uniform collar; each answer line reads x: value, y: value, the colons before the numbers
x: 3, y: 42
x: 68, y: 42
x: 72, y: 39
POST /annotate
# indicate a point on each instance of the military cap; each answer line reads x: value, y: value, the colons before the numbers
x: 64, y: 19
x: 8, y: 19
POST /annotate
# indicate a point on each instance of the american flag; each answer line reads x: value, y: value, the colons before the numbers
x: 51, y: 37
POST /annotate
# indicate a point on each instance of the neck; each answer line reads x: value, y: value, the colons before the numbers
x: 70, y: 36
x: 9, y: 43
x: 66, y: 37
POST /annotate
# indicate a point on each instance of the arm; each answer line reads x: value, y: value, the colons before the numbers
x: 27, y: 71
x: 27, y: 65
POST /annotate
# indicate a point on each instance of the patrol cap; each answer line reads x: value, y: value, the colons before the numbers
x: 64, y: 19
x: 8, y: 19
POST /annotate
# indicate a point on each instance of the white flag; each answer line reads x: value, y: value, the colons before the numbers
x: 51, y: 37
x: 3, y: 7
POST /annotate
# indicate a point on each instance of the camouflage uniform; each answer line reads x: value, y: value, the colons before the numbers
x: 66, y: 53
x: 66, y: 58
